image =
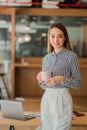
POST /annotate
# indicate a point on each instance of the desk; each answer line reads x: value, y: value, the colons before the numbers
x: 79, y: 123
x: 18, y: 124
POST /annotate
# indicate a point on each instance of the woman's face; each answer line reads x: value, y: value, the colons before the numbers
x: 56, y: 38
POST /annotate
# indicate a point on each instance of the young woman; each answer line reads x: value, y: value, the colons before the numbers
x: 56, y: 103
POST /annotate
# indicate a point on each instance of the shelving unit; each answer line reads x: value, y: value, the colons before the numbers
x: 23, y: 75
x: 5, y: 47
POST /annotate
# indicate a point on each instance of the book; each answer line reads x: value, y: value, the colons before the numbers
x: 6, y: 83
x: 3, y: 89
x: 1, y: 95
x: 2, y: 69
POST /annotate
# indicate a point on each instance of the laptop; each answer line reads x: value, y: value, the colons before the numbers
x: 14, y: 110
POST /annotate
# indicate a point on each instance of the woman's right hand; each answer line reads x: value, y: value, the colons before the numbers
x: 39, y: 77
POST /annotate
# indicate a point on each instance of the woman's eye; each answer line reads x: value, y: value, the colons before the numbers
x: 60, y: 36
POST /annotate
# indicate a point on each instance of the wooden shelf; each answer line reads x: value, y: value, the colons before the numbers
x: 28, y: 65
x: 37, y: 66
x: 52, y: 12
x: 5, y: 11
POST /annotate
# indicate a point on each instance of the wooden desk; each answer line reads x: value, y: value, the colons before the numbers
x: 78, y: 123
x: 18, y: 124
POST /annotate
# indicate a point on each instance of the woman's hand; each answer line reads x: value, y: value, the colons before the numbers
x: 55, y: 80
x: 39, y: 77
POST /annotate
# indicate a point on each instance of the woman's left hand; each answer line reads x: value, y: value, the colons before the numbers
x: 55, y: 80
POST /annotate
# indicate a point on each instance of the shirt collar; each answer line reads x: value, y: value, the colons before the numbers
x: 59, y: 53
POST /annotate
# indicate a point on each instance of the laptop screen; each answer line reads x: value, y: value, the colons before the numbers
x: 12, y: 109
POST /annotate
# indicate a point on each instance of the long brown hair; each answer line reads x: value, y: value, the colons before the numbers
x: 63, y: 29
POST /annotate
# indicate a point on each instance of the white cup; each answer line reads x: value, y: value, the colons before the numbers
x: 46, y: 75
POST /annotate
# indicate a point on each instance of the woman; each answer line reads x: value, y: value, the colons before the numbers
x: 56, y: 103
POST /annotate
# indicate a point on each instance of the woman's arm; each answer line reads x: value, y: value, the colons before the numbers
x: 75, y: 80
x: 45, y: 66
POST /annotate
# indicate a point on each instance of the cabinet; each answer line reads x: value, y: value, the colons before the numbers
x: 25, y: 68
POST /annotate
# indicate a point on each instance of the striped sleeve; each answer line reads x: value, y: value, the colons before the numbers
x: 45, y: 67
x: 75, y: 80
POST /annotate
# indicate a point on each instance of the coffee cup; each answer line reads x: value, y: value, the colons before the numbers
x: 46, y: 75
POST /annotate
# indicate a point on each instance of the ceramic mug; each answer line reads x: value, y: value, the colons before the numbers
x: 46, y: 75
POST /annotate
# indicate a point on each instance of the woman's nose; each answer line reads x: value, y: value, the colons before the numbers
x: 56, y: 39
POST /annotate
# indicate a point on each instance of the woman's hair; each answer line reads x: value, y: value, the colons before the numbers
x: 63, y: 29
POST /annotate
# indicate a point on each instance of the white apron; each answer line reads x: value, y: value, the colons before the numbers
x: 56, y: 109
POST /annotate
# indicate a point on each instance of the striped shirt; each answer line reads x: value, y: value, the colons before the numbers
x: 66, y: 64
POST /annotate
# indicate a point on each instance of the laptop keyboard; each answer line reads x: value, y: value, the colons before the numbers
x: 30, y: 116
